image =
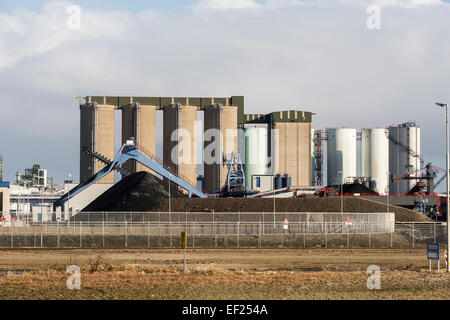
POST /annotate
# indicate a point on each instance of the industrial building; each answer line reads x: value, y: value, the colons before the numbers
x: 284, y: 142
x: 404, y: 156
x: 341, y: 154
x: 34, y: 177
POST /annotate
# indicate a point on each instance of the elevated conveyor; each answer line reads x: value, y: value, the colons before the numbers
x: 138, y: 153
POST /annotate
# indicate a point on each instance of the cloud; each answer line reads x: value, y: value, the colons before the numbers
x: 222, y: 5
x: 406, y: 3
x: 313, y: 55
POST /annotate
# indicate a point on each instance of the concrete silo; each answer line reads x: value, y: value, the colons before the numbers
x: 139, y: 121
x: 256, y: 152
x: 96, y: 134
x: 341, y: 154
x: 223, y: 120
x: 404, y: 155
x: 375, y: 157
x: 180, y: 142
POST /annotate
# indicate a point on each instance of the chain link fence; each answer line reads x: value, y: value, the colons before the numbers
x: 163, y: 229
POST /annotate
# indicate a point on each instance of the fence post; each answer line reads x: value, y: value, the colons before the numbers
x: 259, y: 231
x: 413, y: 233
x: 326, y: 234
x: 81, y: 233
x: 126, y: 234
x: 103, y: 231
x: 170, y: 228
x: 348, y: 239
x: 370, y: 241
x: 434, y: 223
x: 215, y: 233
x: 41, y: 236
x: 238, y: 224
x: 391, y: 239
x: 12, y: 234
x: 159, y: 229
x: 57, y: 231
x: 304, y: 239
x: 193, y: 233
x: 148, y: 233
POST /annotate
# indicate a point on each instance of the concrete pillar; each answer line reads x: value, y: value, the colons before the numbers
x: 139, y: 121
x: 97, y: 134
x: 223, y: 119
x: 179, y: 140
x: 294, y: 151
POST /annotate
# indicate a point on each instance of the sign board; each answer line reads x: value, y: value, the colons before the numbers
x: 433, y: 251
x: 445, y: 256
x: 348, y: 221
x: 184, y: 240
x: 286, y: 224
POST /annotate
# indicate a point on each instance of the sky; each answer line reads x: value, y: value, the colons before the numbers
x: 313, y: 55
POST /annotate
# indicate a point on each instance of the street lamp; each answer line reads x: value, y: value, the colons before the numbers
x: 448, y: 182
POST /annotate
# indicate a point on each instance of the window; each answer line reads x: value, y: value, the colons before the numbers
x: 258, y: 182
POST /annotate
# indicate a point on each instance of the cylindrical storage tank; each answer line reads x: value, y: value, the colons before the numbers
x: 404, y: 155
x: 278, y: 182
x: 372, y: 185
x: 256, y: 155
x: 341, y: 154
x: 375, y: 157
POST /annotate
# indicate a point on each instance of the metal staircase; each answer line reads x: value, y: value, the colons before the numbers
x: 138, y: 153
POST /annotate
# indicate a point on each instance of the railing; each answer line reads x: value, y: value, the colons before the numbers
x: 162, y: 229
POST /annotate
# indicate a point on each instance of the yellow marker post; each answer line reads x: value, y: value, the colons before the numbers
x: 184, y: 245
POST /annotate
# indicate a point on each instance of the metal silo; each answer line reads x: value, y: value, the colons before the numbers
x: 404, y: 155
x: 341, y: 154
x: 256, y: 155
x: 375, y: 157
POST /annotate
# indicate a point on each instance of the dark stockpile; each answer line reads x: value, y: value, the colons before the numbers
x: 140, y: 191
x: 353, y: 188
x: 332, y: 204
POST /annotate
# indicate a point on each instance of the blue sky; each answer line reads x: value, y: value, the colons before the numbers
x: 133, y: 5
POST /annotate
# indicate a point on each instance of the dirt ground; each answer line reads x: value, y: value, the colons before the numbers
x: 222, y: 274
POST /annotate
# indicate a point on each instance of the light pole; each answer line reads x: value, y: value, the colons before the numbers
x: 274, y: 226
x: 341, y: 180
x: 448, y: 182
x: 69, y: 176
x: 387, y: 194
x: 169, y: 191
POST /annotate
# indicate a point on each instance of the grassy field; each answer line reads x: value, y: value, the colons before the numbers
x: 221, y: 274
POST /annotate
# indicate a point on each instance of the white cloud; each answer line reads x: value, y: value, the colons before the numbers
x: 406, y: 3
x: 226, y: 4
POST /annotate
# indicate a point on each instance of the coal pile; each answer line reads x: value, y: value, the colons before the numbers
x: 140, y: 191
x: 331, y: 204
x: 350, y: 188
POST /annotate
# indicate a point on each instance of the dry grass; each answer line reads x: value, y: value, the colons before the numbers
x: 222, y: 274
x: 137, y: 283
